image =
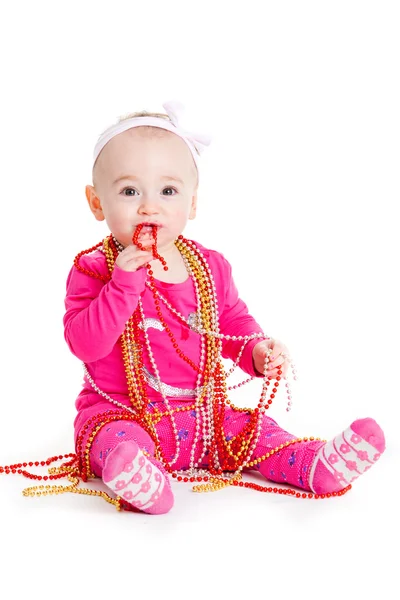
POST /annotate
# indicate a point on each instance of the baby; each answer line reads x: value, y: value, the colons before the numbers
x: 150, y: 314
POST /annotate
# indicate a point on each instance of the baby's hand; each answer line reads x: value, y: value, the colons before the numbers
x: 277, y: 361
x: 131, y: 258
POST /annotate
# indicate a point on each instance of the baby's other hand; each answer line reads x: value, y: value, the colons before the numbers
x: 276, y: 360
x: 131, y: 258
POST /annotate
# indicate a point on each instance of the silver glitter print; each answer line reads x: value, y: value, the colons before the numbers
x: 150, y: 322
x: 193, y: 321
x: 168, y: 390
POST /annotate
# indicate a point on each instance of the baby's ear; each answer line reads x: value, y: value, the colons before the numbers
x: 94, y: 202
x: 193, y: 208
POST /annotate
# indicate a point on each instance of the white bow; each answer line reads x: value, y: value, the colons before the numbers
x: 175, y: 110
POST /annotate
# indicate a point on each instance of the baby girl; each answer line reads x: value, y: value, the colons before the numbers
x: 151, y: 314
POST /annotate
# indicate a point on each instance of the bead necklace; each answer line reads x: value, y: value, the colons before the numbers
x: 244, y: 446
x: 135, y: 240
x: 227, y: 458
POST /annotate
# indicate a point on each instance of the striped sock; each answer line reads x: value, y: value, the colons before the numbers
x: 342, y: 460
x: 139, y: 480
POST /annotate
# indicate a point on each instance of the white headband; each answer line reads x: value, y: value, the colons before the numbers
x: 174, y: 109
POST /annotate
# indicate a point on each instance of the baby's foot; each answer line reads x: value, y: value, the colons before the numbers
x: 139, y: 480
x: 340, y: 461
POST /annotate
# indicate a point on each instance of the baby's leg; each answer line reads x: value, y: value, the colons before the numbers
x: 291, y: 464
x: 318, y: 466
x: 122, y: 455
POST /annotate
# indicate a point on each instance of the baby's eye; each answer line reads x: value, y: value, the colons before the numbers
x: 128, y: 189
x: 169, y: 189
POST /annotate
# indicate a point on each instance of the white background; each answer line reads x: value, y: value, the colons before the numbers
x: 299, y: 190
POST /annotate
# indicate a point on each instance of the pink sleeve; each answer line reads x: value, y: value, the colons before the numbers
x: 236, y: 320
x: 96, y: 312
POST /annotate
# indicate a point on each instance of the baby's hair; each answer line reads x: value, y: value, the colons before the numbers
x: 143, y: 113
x: 150, y: 130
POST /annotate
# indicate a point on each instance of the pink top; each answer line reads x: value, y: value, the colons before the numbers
x: 95, y: 318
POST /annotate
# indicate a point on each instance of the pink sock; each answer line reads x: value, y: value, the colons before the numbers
x: 342, y: 460
x: 139, y: 480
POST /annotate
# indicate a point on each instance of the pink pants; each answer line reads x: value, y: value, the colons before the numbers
x: 291, y: 465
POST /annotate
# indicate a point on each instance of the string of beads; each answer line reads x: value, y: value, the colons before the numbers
x: 227, y: 458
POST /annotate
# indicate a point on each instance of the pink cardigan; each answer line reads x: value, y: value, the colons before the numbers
x: 96, y: 314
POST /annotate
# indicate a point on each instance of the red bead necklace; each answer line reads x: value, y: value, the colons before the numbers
x: 64, y: 467
x: 135, y: 241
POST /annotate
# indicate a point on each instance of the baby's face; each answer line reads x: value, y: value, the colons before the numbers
x: 142, y: 178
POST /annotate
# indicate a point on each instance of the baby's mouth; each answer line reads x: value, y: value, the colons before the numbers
x: 148, y: 227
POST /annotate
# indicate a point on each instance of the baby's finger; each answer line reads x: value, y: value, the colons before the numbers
x: 276, y: 350
x: 279, y: 360
x: 273, y: 373
x: 275, y: 370
x: 264, y: 349
x: 277, y: 347
x: 145, y: 255
x: 146, y: 236
x: 139, y: 257
x: 131, y: 248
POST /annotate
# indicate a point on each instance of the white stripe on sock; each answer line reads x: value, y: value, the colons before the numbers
x: 155, y: 486
x: 352, y: 453
x: 127, y: 476
x: 360, y: 445
x: 150, y: 475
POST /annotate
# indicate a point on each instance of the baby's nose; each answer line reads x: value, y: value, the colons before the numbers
x: 149, y: 206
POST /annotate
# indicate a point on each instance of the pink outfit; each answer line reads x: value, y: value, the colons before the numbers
x: 287, y: 466
x: 96, y: 314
